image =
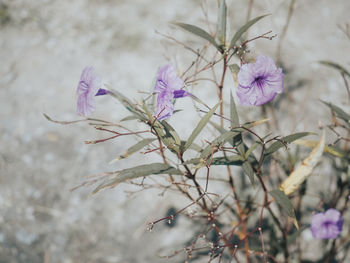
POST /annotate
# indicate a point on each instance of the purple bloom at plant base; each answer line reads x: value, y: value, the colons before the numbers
x: 89, y: 86
x: 327, y: 225
x: 259, y: 82
x: 168, y: 87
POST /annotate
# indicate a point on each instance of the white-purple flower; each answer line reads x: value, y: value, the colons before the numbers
x: 259, y: 82
x: 327, y: 225
x: 89, y: 86
x: 169, y: 87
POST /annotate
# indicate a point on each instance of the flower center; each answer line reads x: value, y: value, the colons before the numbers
x: 260, y: 81
x: 327, y: 224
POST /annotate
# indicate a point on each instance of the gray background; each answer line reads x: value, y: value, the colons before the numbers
x: 45, y: 44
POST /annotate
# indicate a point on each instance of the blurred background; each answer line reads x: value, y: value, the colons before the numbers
x: 45, y: 44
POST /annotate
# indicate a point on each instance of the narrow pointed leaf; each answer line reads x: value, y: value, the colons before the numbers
x: 200, y: 127
x: 218, y: 127
x: 338, y: 112
x: 248, y: 170
x: 335, y: 66
x: 166, y: 136
x: 233, y: 112
x: 136, y: 147
x: 243, y: 29
x: 251, y: 149
x: 219, y: 141
x: 199, y: 32
x: 229, y: 160
x: 222, y: 22
x: 126, y: 103
x: 287, y: 139
x: 131, y: 117
x: 327, y: 148
x: 136, y: 172
x: 235, y: 123
x: 286, y: 204
x: 195, y: 147
x: 169, y: 129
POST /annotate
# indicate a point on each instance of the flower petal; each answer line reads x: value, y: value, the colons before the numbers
x: 169, y: 86
x: 180, y: 93
x: 259, y: 82
x: 274, y: 81
x: 89, y: 85
x: 85, y: 105
x: 263, y: 66
x: 332, y: 215
x: 326, y: 225
x: 246, y: 75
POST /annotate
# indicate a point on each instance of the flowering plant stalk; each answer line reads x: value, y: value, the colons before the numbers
x: 259, y: 220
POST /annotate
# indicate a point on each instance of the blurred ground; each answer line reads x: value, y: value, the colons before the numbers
x: 45, y: 44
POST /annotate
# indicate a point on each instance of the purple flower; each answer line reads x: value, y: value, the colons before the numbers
x: 327, y: 225
x: 259, y: 82
x: 89, y: 86
x: 168, y: 87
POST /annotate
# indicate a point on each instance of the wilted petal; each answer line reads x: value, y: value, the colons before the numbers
x: 89, y: 85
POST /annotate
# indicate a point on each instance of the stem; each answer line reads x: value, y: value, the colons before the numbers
x: 193, y: 178
x: 172, y: 180
x: 221, y: 86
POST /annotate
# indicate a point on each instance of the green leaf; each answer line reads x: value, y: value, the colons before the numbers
x: 248, y: 170
x: 233, y: 112
x: 136, y: 172
x: 193, y: 146
x: 229, y: 160
x: 166, y: 137
x: 327, y: 148
x: 335, y: 66
x: 235, y: 123
x: 199, y: 100
x: 131, y: 117
x: 338, y: 112
x: 283, y: 201
x: 222, y: 22
x: 243, y: 29
x: 218, y: 127
x: 170, y: 130
x: 199, y: 32
x: 127, y: 103
x: 206, y: 153
x: 287, y: 139
x: 234, y: 68
x: 200, y: 127
x: 136, y: 147
x: 251, y: 149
